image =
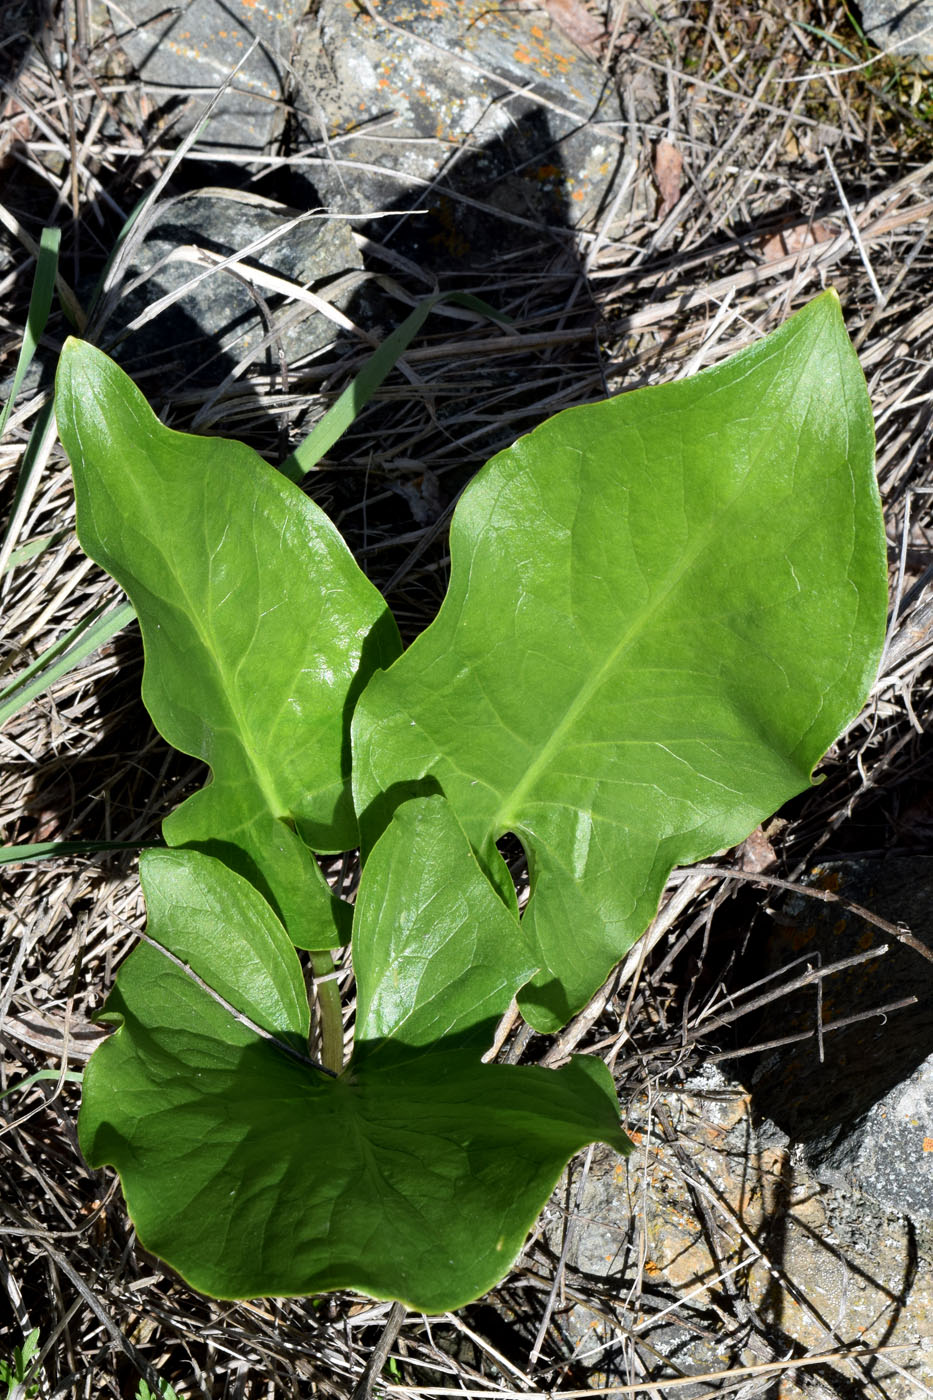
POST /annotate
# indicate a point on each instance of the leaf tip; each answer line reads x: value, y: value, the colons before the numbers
x: 69, y: 363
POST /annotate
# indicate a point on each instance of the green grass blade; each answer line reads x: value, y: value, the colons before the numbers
x: 71, y: 1076
x: 40, y: 304
x: 51, y: 652
x: 40, y: 443
x: 42, y: 850
x: 40, y: 675
x: 31, y: 548
x: 357, y: 394
x: 832, y: 40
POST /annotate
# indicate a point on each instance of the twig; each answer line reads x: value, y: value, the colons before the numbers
x: 732, y: 1378
x: 853, y: 227
x: 898, y: 931
x: 379, y: 1354
x: 233, y: 1011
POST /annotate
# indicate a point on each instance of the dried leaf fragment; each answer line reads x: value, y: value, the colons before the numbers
x: 668, y: 170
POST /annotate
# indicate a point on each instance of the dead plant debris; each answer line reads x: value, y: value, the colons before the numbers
x: 768, y: 154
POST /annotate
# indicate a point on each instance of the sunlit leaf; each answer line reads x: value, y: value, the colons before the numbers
x: 258, y: 628
x: 414, y: 1175
x: 662, y: 610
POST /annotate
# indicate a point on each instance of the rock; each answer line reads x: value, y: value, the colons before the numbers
x: 195, y: 45
x: 887, y: 1153
x: 21, y: 24
x: 520, y: 129
x: 865, y: 1114
x: 903, y: 28
x: 820, y: 1268
x: 203, y: 334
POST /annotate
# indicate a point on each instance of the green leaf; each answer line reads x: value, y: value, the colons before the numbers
x: 437, y: 954
x: 258, y: 629
x: 18, y: 1373
x: 195, y: 906
x: 662, y: 609
x: 414, y: 1175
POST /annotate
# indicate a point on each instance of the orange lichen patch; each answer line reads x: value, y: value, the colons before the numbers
x: 928, y: 1144
x: 449, y: 236
x: 521, y: 55
x: 651, y: 1267
x: 828, y: 879
x: 799, y: 937
x: 636, y: 1137
x: 578, y: 196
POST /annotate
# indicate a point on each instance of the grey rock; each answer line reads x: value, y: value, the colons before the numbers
x: 21, y: 24
x: 481, y: 113
x: 208, y: 329
x: 903, y: 28
x: 813, y: 1262
x: 887, y: 1153
x: 853, y: 1113
x: 191, y: 48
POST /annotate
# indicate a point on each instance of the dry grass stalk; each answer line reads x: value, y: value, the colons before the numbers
x: 795, y: 166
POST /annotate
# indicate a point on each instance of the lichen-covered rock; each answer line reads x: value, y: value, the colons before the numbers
x: 820, y: 1267
x: 483, y: 114
x: 196, y: 45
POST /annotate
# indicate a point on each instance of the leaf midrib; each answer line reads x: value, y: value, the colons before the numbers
x: 506, y: 816
x: 263, y: 778
x: 228, y: 693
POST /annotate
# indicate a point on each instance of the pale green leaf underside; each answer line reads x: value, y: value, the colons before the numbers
x: 415, y: 1175
x: 662, y: 610
x: 258, y: 628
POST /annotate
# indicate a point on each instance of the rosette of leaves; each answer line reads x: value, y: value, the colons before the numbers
x: 661, y: 611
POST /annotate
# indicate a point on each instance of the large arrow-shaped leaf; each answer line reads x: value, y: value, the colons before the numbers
x: 414, y: 1175
x: 662, y: 609
x: 258, y: 629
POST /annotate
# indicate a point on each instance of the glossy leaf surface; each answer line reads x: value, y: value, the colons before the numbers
x: 662, y: 609
x: 258, y: 628
x: 436, y: 952
x: 414, y: 1175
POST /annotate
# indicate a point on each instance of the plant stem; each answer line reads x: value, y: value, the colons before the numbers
x: 330, y: 1011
